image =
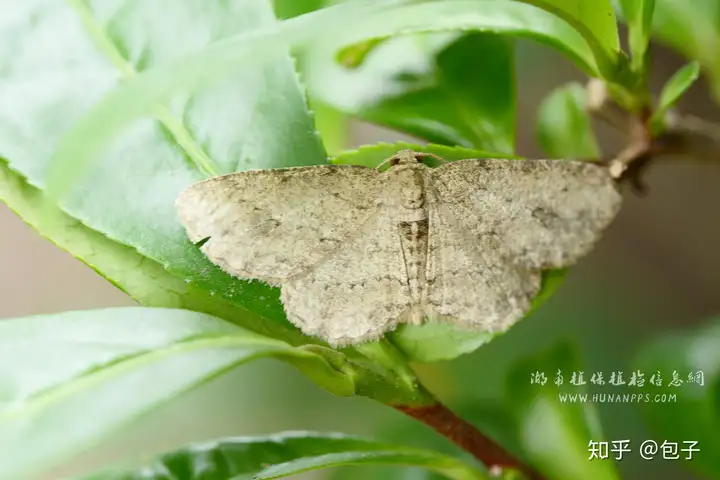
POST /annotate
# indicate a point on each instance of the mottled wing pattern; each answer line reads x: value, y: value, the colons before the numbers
x: 273, y: 224
x: 359, y: 293
x: 546, y: 213
x: 471, y: 281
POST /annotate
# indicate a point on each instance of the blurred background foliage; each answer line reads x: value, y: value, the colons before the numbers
x: 656, y: 271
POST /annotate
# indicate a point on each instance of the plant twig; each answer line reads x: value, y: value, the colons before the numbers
x: 682, y: 135
x: 466, y: 436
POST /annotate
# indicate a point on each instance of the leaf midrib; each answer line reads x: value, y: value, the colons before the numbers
x: 182, y: 136
x: 83, y: 381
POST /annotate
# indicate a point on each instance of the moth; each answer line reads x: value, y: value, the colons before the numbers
x: 358, y: 251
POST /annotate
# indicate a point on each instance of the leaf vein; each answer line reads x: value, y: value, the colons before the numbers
x: 180, y: 133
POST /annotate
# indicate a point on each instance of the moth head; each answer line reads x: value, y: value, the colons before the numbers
x: 405, y: 157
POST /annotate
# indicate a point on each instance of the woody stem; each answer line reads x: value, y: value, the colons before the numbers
x: 682, y: 134
x: 466, y: 436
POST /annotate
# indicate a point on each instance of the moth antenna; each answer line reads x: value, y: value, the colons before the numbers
x: 386, y: 162
x: 431, y: 155
x: 389, y: 161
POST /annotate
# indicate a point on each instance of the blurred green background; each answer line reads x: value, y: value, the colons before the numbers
x: 656, y: 270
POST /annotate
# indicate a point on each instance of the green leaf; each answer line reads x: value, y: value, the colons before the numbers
x: 142, y: 279
x: 129, y: 195
x: 289, y: 453
x: 492, y: 16
x: 332, y: 125
x: 293, y: 8
x: 596, y: 22
x: 489, y: 416
x: 342, y: 25
x: 675, y: 87
x: 62, y: 375
x: 435, y: 342
x: 181, y: 76
x: 446, y: 88
x: 692, y: 28
x: 694, y: 414
x: 555, y: 433
x: 448, y: 466
x: 373, y: 155
x: 639, y: 17
x: 564, y: 128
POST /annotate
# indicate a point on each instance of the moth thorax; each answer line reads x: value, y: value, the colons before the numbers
x: 411, y: 187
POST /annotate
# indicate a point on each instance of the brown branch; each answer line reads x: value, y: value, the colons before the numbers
x: 464, y: 435
x: 682, y: 135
